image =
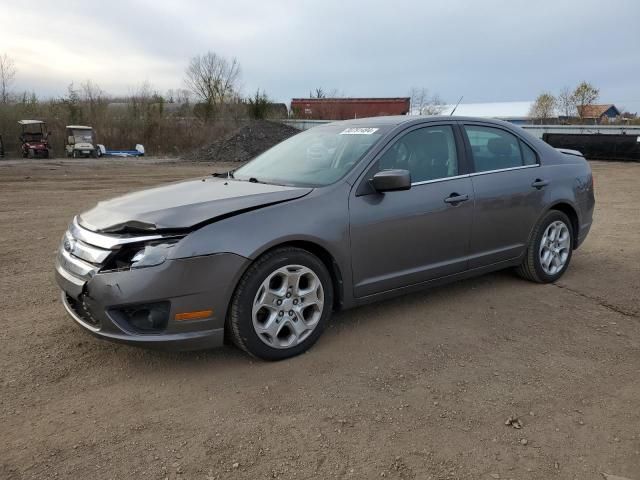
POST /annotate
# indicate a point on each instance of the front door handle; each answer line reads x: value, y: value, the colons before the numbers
x: 539, y: 183
x: 456, y: 198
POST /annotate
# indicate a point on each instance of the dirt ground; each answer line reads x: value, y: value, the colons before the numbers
x: 416, y: 387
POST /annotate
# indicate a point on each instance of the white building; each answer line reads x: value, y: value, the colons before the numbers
x: 514, y: 112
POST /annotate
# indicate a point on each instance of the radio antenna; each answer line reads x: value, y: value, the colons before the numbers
x: 454, y: 108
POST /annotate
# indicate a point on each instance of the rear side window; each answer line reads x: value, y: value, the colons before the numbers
x: 496, y: 149
x: 529, y: 156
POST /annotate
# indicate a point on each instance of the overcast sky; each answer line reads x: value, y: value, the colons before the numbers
x: 485, y: 50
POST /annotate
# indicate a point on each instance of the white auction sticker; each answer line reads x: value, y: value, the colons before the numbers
x: 358, y: 131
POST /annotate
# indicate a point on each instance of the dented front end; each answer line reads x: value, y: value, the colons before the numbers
x: 128, y: 288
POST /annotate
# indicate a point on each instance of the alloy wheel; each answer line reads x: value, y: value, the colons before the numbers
x: 555, y: 247
x: 288, y: 306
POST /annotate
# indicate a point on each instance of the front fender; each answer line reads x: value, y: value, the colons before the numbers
x: 321, y: 218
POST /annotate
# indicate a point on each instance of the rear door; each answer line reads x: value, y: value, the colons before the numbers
x: 508, y: 184
x: 407, y: 237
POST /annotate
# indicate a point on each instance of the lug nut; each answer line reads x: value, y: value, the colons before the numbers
x: 295, y: 301
x: 288, y: 295
x: 291, y: 313
x: 280, y: 313
x: 279, y: 302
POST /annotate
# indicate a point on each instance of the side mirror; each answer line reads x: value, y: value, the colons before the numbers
x: 391, y: 180
x: 70, y: 140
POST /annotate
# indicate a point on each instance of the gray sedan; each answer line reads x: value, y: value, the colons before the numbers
x: 332, y: 218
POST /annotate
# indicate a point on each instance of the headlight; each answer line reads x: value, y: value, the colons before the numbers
x: 152, y: 254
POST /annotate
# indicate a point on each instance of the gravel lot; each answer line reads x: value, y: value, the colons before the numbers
x: 416, y: 387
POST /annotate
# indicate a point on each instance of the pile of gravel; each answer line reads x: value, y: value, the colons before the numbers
x: 244, y: 143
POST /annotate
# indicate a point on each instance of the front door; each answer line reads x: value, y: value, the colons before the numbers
x: 407, y: 237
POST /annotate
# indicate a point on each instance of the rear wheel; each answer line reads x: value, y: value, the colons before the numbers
x: 550, y: 248
x: 282, y: 304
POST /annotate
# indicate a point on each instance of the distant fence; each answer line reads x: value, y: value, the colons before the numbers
x: 598, y: 146
x: 540, y: 130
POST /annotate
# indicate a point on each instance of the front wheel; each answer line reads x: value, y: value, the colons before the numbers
x: 549, y: 251
x: 281, y: 305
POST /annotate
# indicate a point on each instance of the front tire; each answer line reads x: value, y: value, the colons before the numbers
x: 282, y: 304
x: 550, y: 248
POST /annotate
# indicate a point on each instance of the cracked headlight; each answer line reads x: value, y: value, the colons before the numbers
x: 152, y: 254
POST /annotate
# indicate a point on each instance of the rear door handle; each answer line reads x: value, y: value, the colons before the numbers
x: 456, y: 198
x: 539, y: 183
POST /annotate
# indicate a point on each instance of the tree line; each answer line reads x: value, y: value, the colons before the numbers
x: 569, y: 105
x: 209, y: 105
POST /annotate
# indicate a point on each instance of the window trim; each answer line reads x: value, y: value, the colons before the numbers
x: 435, y: 180
x: 469, y: 150
x: 521, y: 167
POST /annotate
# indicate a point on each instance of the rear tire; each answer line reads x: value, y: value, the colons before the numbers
x: 281, y: 305
x: 550, y: 249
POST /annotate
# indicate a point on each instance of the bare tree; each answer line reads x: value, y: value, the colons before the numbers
x: 565, y: 102
x: 423, y: 103
x: 544, y: 107
x: 317, y: 93
x: 584, y: 95
x: 213, y: 79
x: 7, y: 75
x: 95, y: 102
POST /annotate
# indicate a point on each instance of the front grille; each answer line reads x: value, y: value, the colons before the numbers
x: 81, y: 310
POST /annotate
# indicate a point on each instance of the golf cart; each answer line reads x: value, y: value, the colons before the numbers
x: 34, y: 139
x: 80, y: 142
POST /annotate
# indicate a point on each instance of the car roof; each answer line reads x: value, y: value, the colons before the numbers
x: 79, y: 127
x: 29, y: 122
x: 408, y: 119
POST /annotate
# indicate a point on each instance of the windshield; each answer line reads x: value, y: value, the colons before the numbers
x: 82, y: 135
x: 33, y: 132
x: 316, y: 157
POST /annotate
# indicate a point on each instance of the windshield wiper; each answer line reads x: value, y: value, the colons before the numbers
x: 228, y: 174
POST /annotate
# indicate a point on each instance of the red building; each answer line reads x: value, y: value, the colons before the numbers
x: 348, y: 108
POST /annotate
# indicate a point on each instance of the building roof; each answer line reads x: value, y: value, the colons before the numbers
x: 596, y: 111
x: 351, y: 100
x: 504, y: 110
x: 29, y: 122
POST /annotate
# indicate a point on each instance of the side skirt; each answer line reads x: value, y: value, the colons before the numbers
x: 475, y: 272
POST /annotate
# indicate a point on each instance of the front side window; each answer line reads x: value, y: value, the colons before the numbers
x: 428, y: 153
x: 496, y: 149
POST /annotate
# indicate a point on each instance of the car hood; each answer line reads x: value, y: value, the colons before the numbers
x: 184, y: 205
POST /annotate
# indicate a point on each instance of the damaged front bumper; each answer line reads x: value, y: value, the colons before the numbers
x: 142, y: 306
